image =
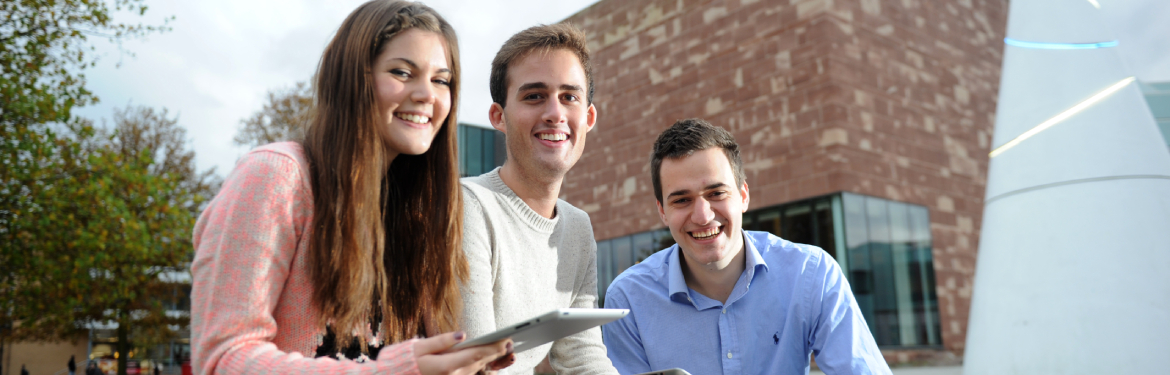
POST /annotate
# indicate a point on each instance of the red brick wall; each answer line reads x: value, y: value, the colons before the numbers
x: 889, y: 98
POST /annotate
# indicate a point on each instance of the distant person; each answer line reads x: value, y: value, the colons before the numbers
x: 72, y: 366
x: 529, y: 252
x: 92, y: 368
x: 724, y: 300
x: 332, y: 254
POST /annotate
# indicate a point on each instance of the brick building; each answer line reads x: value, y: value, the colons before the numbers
x: 865, y: 126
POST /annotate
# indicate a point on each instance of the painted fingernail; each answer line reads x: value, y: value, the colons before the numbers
x: 459, y: 336
x: 509, y: 347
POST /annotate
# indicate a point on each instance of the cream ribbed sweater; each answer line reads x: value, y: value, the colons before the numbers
x: 523, y: 265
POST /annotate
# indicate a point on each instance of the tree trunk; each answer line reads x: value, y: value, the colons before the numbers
x: 5, y: 328
x: 123, y: 348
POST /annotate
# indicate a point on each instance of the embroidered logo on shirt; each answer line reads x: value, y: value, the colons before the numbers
x: 776, y: 338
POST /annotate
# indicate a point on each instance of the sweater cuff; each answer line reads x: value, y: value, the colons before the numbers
x: 398, y: 359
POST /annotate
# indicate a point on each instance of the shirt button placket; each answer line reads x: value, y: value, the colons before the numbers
x: 731, y: 365
x: 727, y: 340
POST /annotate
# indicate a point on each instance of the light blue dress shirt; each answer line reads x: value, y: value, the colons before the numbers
x: 790, y: 301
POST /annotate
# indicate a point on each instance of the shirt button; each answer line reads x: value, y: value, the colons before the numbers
x: 724, y: 310
x: 728, y: 354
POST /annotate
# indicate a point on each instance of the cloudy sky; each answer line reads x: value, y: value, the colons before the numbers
x: 223, y: 56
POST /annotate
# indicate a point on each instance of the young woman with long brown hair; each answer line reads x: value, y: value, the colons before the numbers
x: 331, y: 254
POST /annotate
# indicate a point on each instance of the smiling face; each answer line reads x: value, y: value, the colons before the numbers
x: 412, y: 79
x: 703, y: 207
x: 546, y: 116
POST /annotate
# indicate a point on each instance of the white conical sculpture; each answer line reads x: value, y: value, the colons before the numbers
x: 1073, y: 275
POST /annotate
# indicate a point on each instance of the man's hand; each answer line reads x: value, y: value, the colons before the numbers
x: 433, y: 359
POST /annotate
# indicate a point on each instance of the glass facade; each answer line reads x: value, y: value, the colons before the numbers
x: 480, y: 150
x: 1158, y: 98
x: 889, y: 263
x: 616, y: 254
x: 884, y: 248
x: 809, y: 221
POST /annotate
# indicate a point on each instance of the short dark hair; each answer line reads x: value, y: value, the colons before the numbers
x: 683, y: 139
x: 539, y: 38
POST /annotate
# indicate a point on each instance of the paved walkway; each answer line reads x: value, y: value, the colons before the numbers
x: 948, y: 370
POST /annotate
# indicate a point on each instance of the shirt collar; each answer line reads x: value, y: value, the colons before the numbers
x: 754, y: 259
x: 676, y: 284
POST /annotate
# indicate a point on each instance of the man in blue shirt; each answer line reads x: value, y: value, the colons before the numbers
x: 723, y: 300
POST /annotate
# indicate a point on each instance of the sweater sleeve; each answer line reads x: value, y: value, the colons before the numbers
x: 479, y: 317
x: 245, y: 244
x: 583, y: 352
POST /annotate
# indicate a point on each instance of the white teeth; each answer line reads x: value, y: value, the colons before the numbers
x: 705, y: 234
x: 553, y: 137
x: 413, y: 118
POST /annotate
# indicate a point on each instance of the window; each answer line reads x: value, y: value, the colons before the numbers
x: 616, y: 254
x: 182, y: 298
x: 480, y: 150
x: 891, y: 269
x: 605, y: 273
x: 808, y: 221
x: 1158, y: 99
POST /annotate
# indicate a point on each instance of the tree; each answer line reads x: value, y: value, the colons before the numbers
x: 42, y: 57
x: 142, y: 129
x: 115, y: 217
x: 285, y: 117
x: 43, y: 45
x: 163, y: 190
x: 43, y: 51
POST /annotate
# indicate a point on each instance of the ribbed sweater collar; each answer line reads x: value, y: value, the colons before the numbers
x: 527, y: 214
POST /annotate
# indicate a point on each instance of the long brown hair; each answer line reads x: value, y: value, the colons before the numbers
x: 387, y: 237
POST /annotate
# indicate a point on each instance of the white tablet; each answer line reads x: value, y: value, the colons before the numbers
x: 548, y: 327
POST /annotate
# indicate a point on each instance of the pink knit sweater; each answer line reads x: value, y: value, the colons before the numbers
x: 250, y: 297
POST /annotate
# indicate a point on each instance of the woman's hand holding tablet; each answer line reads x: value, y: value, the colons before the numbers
x: 435, y: 355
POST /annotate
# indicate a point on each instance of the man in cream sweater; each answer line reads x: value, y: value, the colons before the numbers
x: 529, y: 252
